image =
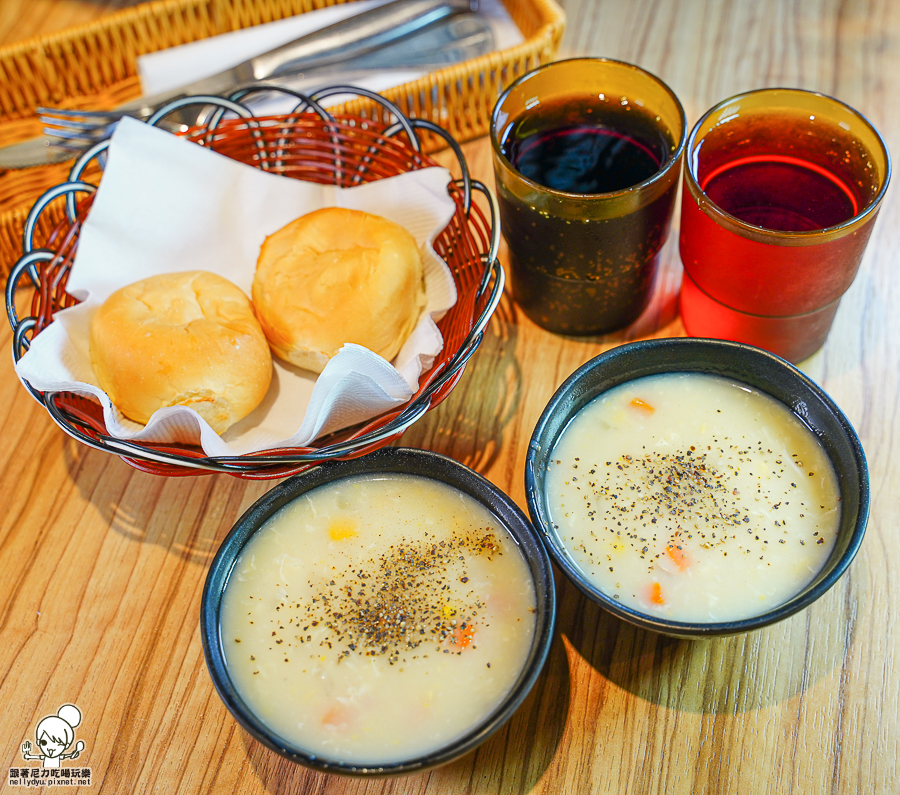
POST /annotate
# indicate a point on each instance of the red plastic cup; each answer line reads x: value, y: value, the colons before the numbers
x: 781, y: 190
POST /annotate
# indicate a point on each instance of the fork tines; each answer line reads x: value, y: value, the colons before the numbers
x: 79, y: 126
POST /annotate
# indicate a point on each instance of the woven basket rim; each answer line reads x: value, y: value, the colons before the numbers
x: 552, y: 21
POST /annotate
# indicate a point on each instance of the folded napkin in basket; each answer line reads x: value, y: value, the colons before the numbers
x: 165, y: 205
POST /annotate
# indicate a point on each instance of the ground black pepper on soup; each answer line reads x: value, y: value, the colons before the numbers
x: 693, y: 497
x: 377, y: 618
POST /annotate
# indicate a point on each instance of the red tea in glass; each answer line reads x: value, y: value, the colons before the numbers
x: 781, y: 190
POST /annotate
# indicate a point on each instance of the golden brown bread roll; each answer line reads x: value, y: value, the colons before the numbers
x: 181, y: 339
x: 336, y: 276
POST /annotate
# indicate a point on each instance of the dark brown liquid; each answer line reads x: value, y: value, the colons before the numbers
x: 571, y: 273
x: 587, y: 146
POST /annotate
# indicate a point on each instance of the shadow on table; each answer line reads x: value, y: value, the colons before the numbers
x: 470, y: 423
x: 510, y: 762
x: 727, y: 675
x: 187, y: 516
x: 190, y: 516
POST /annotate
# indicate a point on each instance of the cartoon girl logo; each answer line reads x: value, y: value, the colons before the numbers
x: 54, y: 735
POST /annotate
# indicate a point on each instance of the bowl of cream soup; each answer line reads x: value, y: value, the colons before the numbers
x: 697, y: 487
x: 378, y: 616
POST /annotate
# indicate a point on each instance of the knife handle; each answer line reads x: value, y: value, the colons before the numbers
x: 358, y: 35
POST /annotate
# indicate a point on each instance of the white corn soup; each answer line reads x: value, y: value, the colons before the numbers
x: 693, y: 497
x: 377, y: 618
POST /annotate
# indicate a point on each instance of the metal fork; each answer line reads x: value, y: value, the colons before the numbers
x: 449, y: 40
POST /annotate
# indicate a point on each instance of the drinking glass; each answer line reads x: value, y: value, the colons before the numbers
x: 781, y: 190
x: 583, y: 261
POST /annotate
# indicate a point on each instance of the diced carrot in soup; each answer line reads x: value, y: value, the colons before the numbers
x: 337, y: 716
x: 656, y: 594
x: 642, y: 405
x: 462, y: 636
x: 678, y: 557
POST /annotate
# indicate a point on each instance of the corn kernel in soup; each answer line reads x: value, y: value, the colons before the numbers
x: 376, y: 619
x: 693, y: 497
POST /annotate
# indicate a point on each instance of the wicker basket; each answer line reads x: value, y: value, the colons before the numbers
x: 310, y: 144
x: 95, y: 66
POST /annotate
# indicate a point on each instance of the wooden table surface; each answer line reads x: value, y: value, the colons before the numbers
x: 101, y: 567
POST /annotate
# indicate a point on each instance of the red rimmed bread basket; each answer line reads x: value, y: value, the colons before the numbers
x: 310, y: 144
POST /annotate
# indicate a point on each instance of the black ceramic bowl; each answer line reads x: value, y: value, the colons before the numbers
x: 753, y: 366
x: 395, y: 460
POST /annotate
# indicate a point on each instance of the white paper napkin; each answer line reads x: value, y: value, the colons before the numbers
x: 171, y: 68
x: 165, y: 205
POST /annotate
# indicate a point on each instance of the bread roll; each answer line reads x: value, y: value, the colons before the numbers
x: 336, y: 276
x: 181, y: 339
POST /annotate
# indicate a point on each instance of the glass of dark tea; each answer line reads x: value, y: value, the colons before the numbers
x: 587, y: 155
x: 781, y: 190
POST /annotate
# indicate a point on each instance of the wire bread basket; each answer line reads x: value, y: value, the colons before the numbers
x: 310, y: 144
